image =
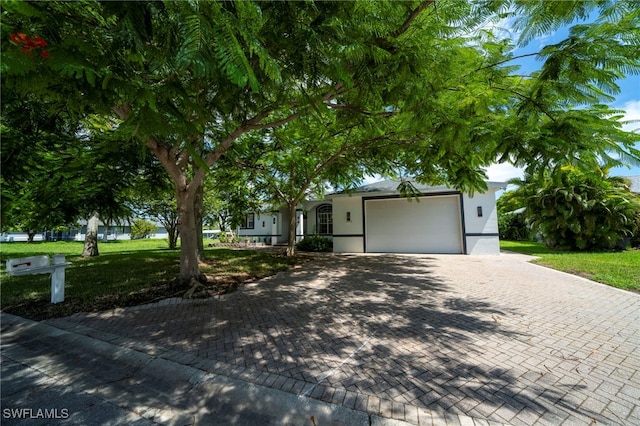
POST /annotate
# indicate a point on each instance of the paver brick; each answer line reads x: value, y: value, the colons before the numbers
x: 495, y: 338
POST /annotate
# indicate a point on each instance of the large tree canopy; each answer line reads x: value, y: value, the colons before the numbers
x: 57, y: 169
x: 191, y: 79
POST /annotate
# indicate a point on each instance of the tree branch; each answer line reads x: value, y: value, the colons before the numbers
x: 528, y: 98
x: 383, y: 42
x: 254, y: 124
x: 412, y: 17
x: 505, y: 61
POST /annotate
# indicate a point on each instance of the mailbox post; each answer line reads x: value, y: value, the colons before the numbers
x: 57, y: 279
x: 42, y: 265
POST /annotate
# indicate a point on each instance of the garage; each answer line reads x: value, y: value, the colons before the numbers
x: 430, y: 225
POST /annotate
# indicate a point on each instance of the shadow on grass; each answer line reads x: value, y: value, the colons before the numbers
x: 130, y: 278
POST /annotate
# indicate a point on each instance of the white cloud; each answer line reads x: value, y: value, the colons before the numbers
x: 503, y: 172
x: 632, y: 112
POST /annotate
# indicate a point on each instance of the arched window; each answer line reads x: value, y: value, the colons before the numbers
x: 325, y: 219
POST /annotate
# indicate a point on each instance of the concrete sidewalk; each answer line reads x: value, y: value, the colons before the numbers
x: 455, y: 340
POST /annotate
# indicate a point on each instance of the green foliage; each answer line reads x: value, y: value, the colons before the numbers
x: 152, y: 196
x: 315, y: 243
x: 575, y: 210
x: 512, y: 226
x: 376, y: 86
x: 141, y: 228
x: 634, y: 241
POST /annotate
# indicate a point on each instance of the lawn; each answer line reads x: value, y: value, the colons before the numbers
x: 126, y: 273
x: 619, y: 269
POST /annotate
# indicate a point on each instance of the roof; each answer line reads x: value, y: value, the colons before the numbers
x: 391, y: 186
x: 635, y: 183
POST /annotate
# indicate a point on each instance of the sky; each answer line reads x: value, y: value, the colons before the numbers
x: 628, y: 100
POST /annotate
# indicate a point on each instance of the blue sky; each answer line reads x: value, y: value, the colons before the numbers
x: 628, y: 100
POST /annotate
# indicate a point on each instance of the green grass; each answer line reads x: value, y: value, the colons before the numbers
x: 126, y: 273
x: 618, y: 269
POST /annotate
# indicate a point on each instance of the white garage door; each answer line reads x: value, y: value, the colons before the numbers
x: 399, y: 226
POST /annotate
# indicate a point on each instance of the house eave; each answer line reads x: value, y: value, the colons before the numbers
x: 383, y: 188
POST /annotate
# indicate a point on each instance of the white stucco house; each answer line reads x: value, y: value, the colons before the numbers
x: 375, y: 218
x: 115, y: 231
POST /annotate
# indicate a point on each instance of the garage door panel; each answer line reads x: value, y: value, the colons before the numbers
x: 429, y: 226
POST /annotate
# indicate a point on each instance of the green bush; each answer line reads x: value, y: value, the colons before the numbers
x: 316, y: 243
x: 142, y: 229
x: 575, y: 210
x: 635, y: 238
x: 512, y: 226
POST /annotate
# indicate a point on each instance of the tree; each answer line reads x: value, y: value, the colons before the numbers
x: 31, y: 132
x: 191, y: 79
x: 576, y: 210
x: 141, y: 228
x: 303, y: 158
x: 152, y: 197
x: 55, y: 169
x: 162, y: 208
x: 230, y: 192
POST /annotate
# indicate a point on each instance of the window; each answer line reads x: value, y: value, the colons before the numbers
x: 249, y: 221
x: 325, y: 219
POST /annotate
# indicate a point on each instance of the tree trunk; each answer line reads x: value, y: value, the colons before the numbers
x: 173, y: 237
x: 198, y: 210
x: 169, y: 219
x: 91, y: 237
x: 176, y: 166
x: 291, y: 239
x: 30, y: 235
x: 189, y: 267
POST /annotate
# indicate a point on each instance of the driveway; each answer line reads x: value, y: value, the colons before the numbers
x: 493, y: 338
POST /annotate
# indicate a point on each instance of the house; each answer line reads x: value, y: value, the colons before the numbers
x: 376, y: 218
x: 114, y: 231
x: 635, y: 183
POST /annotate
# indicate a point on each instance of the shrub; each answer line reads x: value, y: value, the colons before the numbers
x: 512, y: 226
x: 315, y: 243
x: 142, y: 229
x: 582, y: 211
x: 635, y: 238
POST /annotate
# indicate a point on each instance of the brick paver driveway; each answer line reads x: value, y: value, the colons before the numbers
x: 490, y: 337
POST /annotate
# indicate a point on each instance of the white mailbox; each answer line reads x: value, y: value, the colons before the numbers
x: 42, y: 265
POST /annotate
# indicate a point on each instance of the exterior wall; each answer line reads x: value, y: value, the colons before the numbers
x: 481, y: 233
x: 311, y: 217
x: 483, y: 245
x: 8, y: 237
x: 113, y: 233
x: 276, y: 233
x: 263, y: 227
x: 348, y: 236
